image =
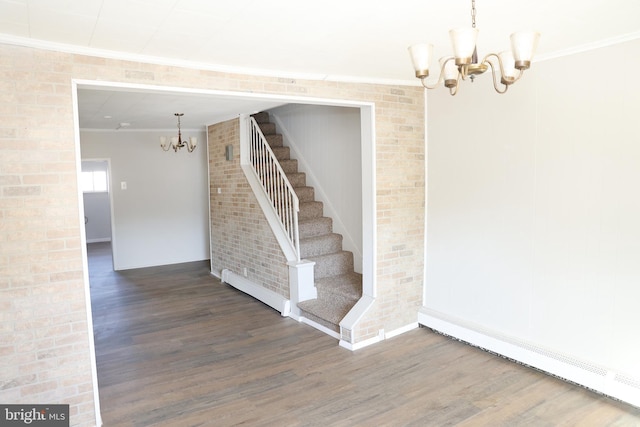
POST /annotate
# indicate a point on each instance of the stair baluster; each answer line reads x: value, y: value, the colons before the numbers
x: 275, y: 183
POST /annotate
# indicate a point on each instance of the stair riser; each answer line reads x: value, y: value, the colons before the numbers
x: 267, y: 128
x: 305, y: 194
x: 320, y: 321
x: 281, y: 153
x: 297, y: 179
x: 274, y: 140
x: 289, y: 166
x: 316, y: 227
x: 340, y: 263
x: 349, y: 286
x: 310, y: 210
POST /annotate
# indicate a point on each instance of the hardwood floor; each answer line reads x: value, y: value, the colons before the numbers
x: 175, y: 347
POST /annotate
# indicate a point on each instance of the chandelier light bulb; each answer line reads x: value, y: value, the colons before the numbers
x: 464, y: 43
x: 523, y: 46
x: 421, y: 56
x: 508, y: 65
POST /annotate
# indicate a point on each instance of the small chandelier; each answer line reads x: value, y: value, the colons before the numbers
x: 464, y: 63
x: 176, y: 142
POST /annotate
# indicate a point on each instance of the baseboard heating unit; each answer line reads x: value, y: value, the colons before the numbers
x: 267, y: 296
x: 617, y: 385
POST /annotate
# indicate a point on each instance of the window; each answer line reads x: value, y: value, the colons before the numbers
x: 95, y: 182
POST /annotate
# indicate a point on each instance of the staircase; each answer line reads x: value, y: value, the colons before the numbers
x: 338, y: 286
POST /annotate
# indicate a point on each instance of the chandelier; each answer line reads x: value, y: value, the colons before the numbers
x: 508, y: 66
x: 176, y: 142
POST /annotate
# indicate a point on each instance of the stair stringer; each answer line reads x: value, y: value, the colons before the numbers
x: 301, y: 282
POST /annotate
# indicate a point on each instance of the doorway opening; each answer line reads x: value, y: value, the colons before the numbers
x: 159, y: 105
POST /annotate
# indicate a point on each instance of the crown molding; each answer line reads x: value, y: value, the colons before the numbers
x: 589, y: 46
x: 110, y: 54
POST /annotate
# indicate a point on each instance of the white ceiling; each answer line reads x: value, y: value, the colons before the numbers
x: 122, y: 109
x: 361, y: 40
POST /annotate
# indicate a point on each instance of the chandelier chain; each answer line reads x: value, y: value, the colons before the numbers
x: 473, y: 13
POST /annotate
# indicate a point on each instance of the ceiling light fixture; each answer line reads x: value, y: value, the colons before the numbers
x: 464, y: 63
x: 176, y: 142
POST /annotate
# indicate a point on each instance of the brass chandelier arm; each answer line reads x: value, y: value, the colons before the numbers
x: 440, y: 76
x: 505, y: 80
x: 453, y: 90
x: 426, y: 86
x: 495, y: 81
x: 486, y: 60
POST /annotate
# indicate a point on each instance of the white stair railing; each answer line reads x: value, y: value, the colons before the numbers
x: 275, y: 184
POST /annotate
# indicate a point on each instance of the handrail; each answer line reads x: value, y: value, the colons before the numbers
x: 275, y: 183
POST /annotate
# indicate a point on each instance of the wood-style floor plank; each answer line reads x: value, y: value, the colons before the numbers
x: 175, y: 347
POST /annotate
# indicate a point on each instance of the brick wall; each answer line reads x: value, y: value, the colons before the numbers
x: 240, y: 235
x: 44, y: 334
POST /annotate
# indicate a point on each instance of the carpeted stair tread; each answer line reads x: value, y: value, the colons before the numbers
x: 321, y: 244
x: 348, y: 285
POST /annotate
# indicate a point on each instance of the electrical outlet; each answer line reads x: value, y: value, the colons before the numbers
x: 244, y: 271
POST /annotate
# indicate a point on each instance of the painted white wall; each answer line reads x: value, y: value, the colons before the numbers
x: 533, y: 207
x: 162, y: 217
x: 97, y: 209
x: 327, y: 142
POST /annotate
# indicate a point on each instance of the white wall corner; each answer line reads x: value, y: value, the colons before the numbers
x: 267, y: 296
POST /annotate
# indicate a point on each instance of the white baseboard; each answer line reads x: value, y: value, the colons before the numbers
x: 267, y: 296
x: 598, y: 378
x: 401, y: 330
x: 363, y: 344
x: 318, y: 326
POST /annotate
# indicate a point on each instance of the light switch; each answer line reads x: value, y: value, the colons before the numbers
x: 123, y: 185
x: 219, y: 190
